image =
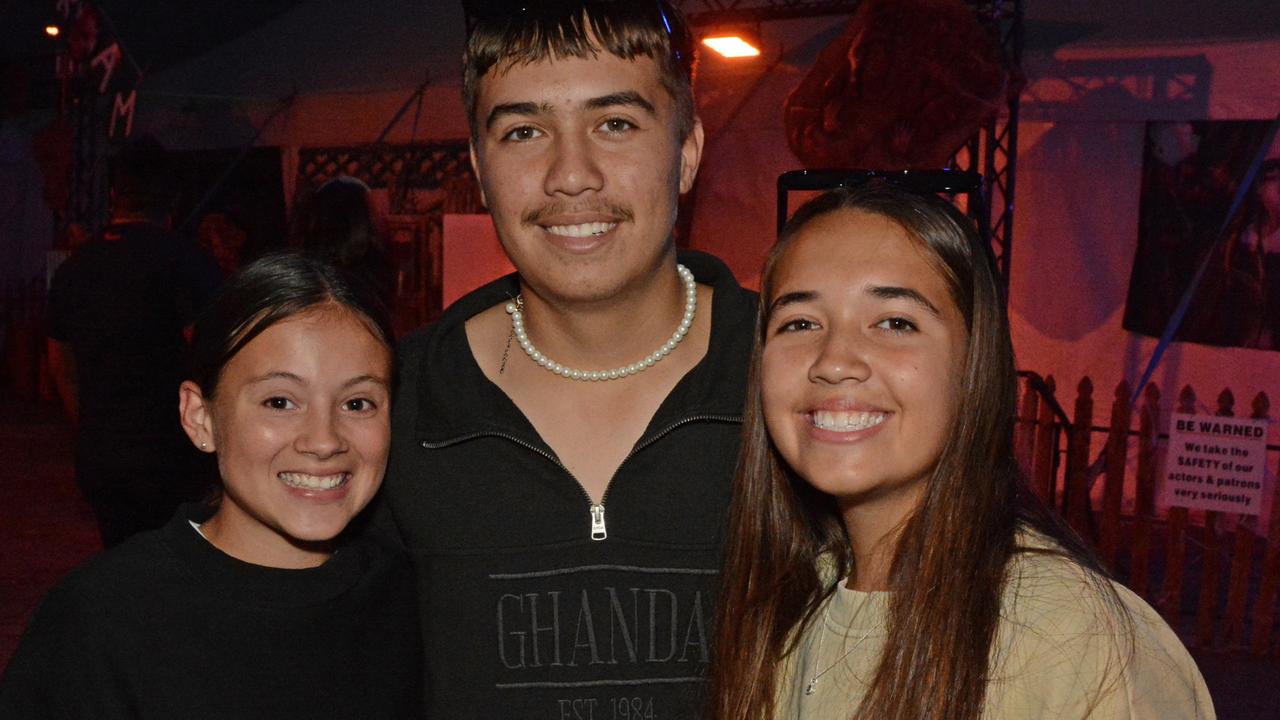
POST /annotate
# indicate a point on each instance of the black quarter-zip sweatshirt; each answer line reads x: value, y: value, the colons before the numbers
x: 524, y: 614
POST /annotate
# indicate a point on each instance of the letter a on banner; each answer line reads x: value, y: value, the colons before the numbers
x: 107, y: 59
x: 123, y: 108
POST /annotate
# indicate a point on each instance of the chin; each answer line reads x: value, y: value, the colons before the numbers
x: 316, y: 531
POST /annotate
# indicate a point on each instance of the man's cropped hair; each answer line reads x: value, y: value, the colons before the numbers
x: 511, y: 32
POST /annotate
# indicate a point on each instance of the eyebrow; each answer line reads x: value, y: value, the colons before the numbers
x: 523, y: 109
x: 893, y: 292
x: 365, y: 378
x: 791, y: 298
x: 281, y: 375
x: 883, y: 292
x: 625, y: 98
x: 277, y: 375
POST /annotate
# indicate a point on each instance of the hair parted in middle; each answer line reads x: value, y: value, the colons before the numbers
x: 508, y: 33
x: 268, y: 291
x: 959, y: 538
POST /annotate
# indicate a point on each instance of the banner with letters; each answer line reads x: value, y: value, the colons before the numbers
x: 94, y: 58
x: 1215, y: 463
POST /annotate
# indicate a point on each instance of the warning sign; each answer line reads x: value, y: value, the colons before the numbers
x: 1215, y: 463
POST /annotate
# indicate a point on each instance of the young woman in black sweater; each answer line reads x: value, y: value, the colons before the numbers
x: 257, y: 605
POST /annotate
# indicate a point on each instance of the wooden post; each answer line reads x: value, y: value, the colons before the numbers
x: 1171, y: 594
x: 1024, y: 431
x: 1079, y: 509
x: 1211, y: 567
x: 1242, y: 556
x: 1145, y: 508
x: 1264, y: 610
x: 1043, y: 481
x: 1113, y: 487
x: 1210, y: 571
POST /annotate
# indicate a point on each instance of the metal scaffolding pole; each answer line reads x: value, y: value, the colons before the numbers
x: 992, y: 152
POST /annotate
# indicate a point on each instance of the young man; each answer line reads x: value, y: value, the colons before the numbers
x: 565, y: 438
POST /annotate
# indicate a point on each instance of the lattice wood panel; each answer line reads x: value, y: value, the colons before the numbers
x: 420, y: 165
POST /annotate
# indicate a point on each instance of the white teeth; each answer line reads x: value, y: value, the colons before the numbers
x: 313, y: 482
x: 582, y: 230
x: 846, y: 421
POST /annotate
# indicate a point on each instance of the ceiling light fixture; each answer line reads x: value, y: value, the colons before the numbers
x: 731, y: 45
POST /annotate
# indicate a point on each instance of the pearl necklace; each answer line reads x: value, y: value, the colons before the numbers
x: 516, y: 310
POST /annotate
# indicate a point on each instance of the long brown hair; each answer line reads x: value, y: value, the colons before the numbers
x: 948, y: 568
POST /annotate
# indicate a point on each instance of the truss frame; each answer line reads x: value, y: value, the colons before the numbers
x: 992, y: 152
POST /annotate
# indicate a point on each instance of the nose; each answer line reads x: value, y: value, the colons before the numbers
x: 841, y: 357
x: 574, y: 168
x: 320, y: 435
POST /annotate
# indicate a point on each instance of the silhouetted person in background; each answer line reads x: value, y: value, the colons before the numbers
x: 336, y: 225
x: 117, y: 311
x: 222, y: 238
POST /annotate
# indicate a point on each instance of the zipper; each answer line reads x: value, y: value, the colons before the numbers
x: 599, y: 530
x: 596, y: 510
x: 641, y: 445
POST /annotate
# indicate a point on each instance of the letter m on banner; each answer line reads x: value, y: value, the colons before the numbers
x: 122, y: 109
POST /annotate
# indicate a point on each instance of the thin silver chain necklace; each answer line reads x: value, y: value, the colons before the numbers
x: 822, y: 635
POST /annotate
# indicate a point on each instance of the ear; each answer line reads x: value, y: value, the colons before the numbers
x: 690, y: 156
x: 194, y: 414
x: 475, y: 169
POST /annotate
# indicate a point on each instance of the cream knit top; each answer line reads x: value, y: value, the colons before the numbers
x: 1062, y: 650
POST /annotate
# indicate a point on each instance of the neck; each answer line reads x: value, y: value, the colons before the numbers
x: 603, y: 333
x: 872, y: 561
x: 247, y: 540
x: 874, y: 526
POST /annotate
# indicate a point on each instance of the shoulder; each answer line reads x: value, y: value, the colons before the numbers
x: 386, y: 588
x: 738, y: 302
x: 411, y: 347
x: 426, y: 342
x: 98, y: 609
x: 112, y: 579
x: 1073, y: 641
x: 65, y: 278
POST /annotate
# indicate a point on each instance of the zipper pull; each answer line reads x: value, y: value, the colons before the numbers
x: 597, y: 523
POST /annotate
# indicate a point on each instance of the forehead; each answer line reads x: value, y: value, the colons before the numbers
x: 569, y: 80
x: 845, y: 249
x: 329, y: 332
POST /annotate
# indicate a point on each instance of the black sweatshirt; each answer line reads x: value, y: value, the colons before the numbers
x: 524, y: 614
x: 167, y: 626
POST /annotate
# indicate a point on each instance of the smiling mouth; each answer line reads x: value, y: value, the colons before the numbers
x: 836, y: 421
x: 581, y: 230
x: 305, y: 481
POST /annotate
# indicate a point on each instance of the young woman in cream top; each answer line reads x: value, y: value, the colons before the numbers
x: 884, y: 560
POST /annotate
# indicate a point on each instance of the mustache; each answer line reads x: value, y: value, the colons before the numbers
x: 620, y: 213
